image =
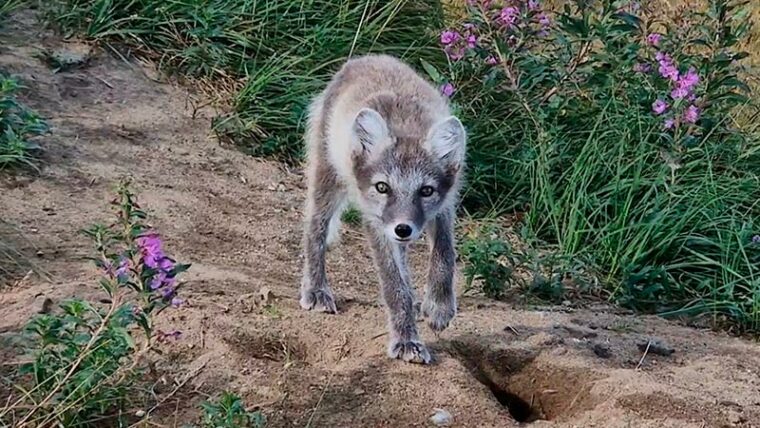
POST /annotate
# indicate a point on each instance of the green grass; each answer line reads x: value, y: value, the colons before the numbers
x: 18, y: 127
x: 280, y: 52
x: 8, y: 6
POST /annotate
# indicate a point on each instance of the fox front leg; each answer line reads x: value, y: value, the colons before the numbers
x: 439, y: 305
x: 390, y: 260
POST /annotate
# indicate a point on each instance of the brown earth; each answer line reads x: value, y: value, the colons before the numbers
x: 237, y: 219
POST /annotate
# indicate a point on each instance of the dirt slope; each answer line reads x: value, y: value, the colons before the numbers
x: 237, y: 220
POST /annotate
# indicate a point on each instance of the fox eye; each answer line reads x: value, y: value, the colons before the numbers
x: 426, y: 191
x: 382, y: 187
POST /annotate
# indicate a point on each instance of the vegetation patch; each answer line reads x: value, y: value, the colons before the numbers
x: 625, y: 140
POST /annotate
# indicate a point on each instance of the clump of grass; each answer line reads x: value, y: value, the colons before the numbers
x: 618, y: 133
x: 280, y: 53
x: 8, y: 6
x: 18, y: 127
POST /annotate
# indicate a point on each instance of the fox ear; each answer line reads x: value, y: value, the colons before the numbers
x: 447, y: 140
x: 370, y: 132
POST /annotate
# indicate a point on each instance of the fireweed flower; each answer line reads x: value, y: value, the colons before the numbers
x: 150, y: 248
x: 509, y: 15
x: 491, y: 60
x: 667, y: 69
x: 668, y: 123
x: 691, y: 114
x: 545, y: 22
x: 679, y: 93
x: 447, y: 89
x: 472, y: 41
x: 533, y: 5
x: 449, y: 37
x: 689, y: 80
x: 654, y: 39
x: 659, y: 107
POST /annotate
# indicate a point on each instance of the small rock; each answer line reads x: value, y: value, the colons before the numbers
x: 73, y: 55
x: 602, y: 351
x: 140, y: 413
x: 656, y: 347
x: 441, y: 418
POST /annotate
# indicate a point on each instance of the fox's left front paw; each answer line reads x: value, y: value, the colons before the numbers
x: 439, y: 314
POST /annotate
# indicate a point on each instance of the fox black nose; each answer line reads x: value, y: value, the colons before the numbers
x: 403, y: 231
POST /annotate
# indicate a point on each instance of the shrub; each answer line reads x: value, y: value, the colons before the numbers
x: 18, y: 126
x: 84, y: 360
x: 619, y: 132
x: 284, y: 50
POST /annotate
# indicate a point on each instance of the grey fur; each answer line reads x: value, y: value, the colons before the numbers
x: 379, y: 121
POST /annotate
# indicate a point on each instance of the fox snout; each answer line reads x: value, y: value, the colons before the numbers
x: 403, y: 231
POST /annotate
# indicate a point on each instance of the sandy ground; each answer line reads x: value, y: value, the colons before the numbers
x: 237, y: 219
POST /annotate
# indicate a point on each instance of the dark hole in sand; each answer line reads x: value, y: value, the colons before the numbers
x: 493, y: 369
x: 520, y: 409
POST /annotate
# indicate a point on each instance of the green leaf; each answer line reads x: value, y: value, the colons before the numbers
x: 434, y: 74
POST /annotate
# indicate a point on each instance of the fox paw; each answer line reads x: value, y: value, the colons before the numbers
x: 320, y: 300
x: 439, y: 315
x: 410, y: 351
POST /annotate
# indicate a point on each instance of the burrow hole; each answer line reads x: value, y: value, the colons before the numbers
x: 529, y: 389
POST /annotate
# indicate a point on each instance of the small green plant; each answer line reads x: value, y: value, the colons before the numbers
x: 229, y: 412
x: 18, y: 126
x: 352, y: 216
x: 488, y: 260
x: 84, y: 360
x: 8, y: 6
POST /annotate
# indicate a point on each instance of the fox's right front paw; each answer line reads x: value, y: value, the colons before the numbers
x: 320, y: 300
x: 411, y: 351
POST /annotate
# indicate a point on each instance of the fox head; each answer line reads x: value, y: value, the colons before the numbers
x: 405, y: 180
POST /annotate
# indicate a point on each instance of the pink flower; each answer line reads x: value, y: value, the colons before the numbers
x: 659, y: 107
x: 690, y: 79
x: 668, y: 123
x: 472, y: 41
x: 544, y: 20
x: 654, y: 39
x: 685, y: 84
x: 449, y: 37
x: 691, y: 114
x: 509, y: 16
x: 491, y: 60
x: 667, y: 68
x: 533, y: 5
x: 679, y: 93
x: 447, y: 89
x: 150, y: 247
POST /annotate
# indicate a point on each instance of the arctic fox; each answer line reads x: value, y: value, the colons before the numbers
x: 383, y: 138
